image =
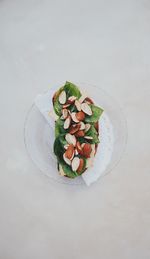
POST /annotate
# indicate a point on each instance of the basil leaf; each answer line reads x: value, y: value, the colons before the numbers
x: 59, y: 147
x: 97, y: 111
x: 59, y: 129
x: 62, y: 140
x: 72, y: 89
x: 56, y: 104
x: 93, y: 133
x: 67, y: 170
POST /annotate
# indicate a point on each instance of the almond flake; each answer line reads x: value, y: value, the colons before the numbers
x: 86, y: 109
x: 78, y: 105
x: 62, y: 97
x: 87, y: 127
x: 88, y: 137
x: 80, y: 116
x: 74, y: 118
x: 70, y: 152
x: 71, y: 99
x: 67, y: 123
x: 82, y: 98
x: 65, y: 113
x: 82, y: 125
x: 71, y: 139
x: 75, y: 163
x: 74, y: 128
x: 66, y: 105
x: 67, y: 161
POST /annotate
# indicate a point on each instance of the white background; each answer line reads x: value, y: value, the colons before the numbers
x: 102, y: 42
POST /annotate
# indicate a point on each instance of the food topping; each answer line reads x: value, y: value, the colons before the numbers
x: 75, y: 163
x: 80, y: 116
x: 76, y: 130
x: 74, y: 118
x: 64, y: 113
x: 78, y: 105
x: 71, y: 139
x: 62, y: 97
x: 67, y: 123
x: 86, y: 109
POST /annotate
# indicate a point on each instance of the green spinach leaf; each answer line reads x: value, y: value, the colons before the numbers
x: 59, y: 129
x: 93, y: 133
x: 72, y: 89
x: 97, y: 111
x: 67, y: 170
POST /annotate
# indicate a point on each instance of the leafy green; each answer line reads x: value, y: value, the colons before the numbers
x: 97, y: 111
x: 93, y: 133
x: 56, y: 104
x: 59, y: 147
x: 72, y: 89
x: 67, y: 170
x: 62, y: 140
x: 59, y: 129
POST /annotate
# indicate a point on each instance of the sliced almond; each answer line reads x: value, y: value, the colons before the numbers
x: 61, y: 171
x: 67, y: 161
x: 64, y: 113
x: 80, y: 116
x: 74, y: 128
x: 71, y: 139
x: 82, y: 98
x: 81, y: 165
x: 87, y: 127
x: 66, y: 105
x: 88, y: 100
x: 80, y: 133
x: 79, y: 147
x: 74, y: 118
x: 86, y: 109
x: 71, y: 99
x: 66, y: 146
x: 87, y: 149
x: 62, y: 97
x: 67, y: 123
x: 78, y: 105
x: 82, y: 125
x: 75, y: 163
x: 88, y: 137
x: 70, y: 152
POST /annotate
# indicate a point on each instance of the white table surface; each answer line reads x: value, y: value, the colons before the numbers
x: 106, y: 43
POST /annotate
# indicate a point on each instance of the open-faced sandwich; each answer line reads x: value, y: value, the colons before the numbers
x: 76, y: 130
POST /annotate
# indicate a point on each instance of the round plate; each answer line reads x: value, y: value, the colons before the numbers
x: 39, y: 136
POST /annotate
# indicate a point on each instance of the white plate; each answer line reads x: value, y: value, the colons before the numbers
x: 39, y: 137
